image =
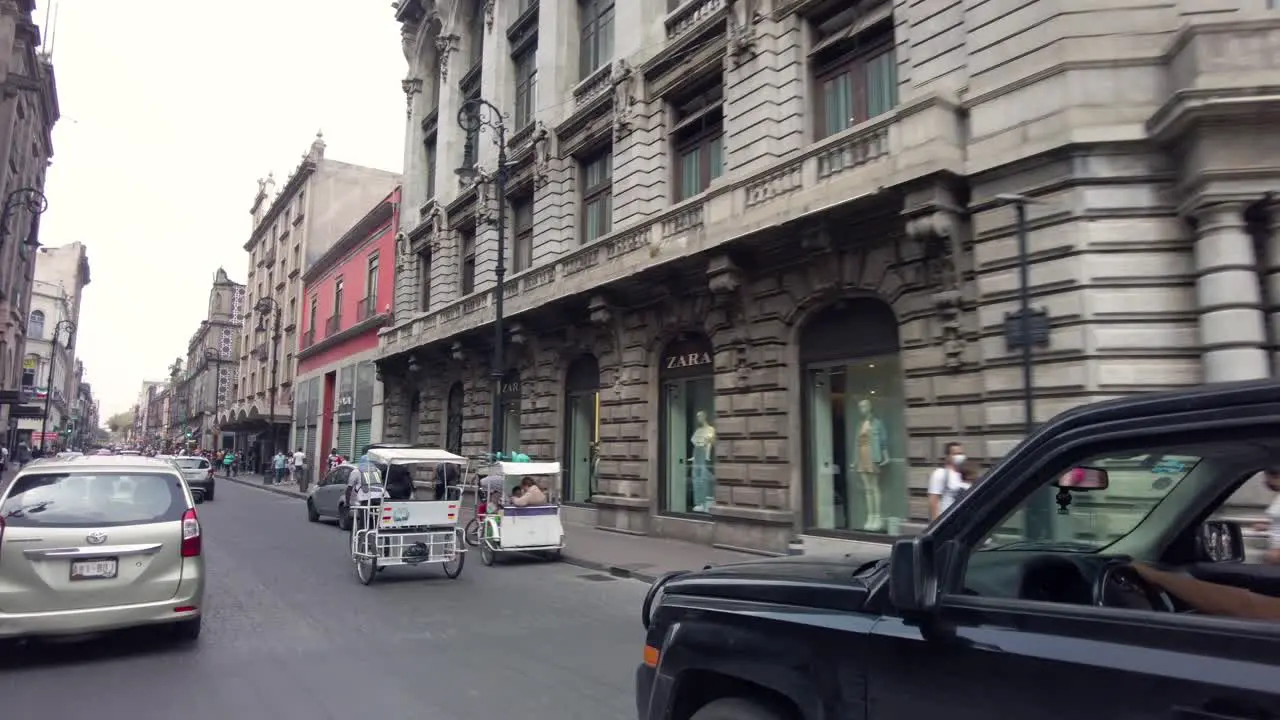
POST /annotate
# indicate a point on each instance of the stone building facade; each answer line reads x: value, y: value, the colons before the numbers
x: 211, y: 363
x: 761, y: 252
x: 28, y: 112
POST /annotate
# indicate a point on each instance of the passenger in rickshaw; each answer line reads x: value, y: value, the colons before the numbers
x: 398, y: 483
x: 528, y: 493
x: 446, y: 475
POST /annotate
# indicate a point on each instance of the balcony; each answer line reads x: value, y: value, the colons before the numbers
x: 368, y: 308
x: 308, y: 339
x: 921, y: 137
x: 333, y: 325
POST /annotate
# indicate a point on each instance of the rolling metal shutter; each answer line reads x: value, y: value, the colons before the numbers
x: 311, y: 444
x: 364, y: 436
x: 344, y: 439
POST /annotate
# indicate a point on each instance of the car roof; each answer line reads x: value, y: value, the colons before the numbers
x: 97, y: 463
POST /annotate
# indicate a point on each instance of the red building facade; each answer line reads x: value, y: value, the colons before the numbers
x: 347, y: 297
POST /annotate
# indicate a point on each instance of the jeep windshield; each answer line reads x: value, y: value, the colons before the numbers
x: 1097, y: 519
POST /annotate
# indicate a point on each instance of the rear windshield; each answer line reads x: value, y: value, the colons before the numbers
x: 93, y: 500
x: 192, y: 463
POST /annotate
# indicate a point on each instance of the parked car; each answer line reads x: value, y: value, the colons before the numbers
x: 97, y: 543
x: 1085, y: 576
x: 198, y: 472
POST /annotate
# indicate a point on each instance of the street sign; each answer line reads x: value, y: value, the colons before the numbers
x: 1013, y: 330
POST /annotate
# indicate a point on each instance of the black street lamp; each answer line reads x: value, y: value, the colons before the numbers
x: 473, y: 115
x: 70, y: 327
x: 264, y: 307
x: 29, y: 198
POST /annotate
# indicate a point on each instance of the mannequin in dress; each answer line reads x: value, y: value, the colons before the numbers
x: 703, y: 440
x: 872, y: 456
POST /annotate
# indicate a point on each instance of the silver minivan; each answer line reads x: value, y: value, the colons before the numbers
x: 97, y: 543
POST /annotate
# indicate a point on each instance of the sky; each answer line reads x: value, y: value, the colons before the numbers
x: 171, y: 111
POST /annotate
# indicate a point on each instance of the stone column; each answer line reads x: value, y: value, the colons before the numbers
x: 1229, y: 296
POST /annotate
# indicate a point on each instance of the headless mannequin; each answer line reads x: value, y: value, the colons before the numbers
x: 872, y: 456
x: 703, y: 441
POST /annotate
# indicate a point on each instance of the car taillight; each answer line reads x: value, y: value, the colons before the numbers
x: 190, y: 534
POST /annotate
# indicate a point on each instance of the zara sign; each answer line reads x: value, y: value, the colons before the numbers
x: 687, y: 356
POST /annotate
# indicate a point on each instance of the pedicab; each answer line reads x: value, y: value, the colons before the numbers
x: 510, y: 526
x: 391, y: 527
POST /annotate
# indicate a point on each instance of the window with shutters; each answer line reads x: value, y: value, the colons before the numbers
x: 596, y: 46
x: 597, y: 195
x: 522, y: 228
x: 698, y: 136
x: 855, y: 67
x: 467, y: 272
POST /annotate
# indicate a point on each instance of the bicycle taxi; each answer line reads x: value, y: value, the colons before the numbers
x: 509, y: 525
x: 391, y: 527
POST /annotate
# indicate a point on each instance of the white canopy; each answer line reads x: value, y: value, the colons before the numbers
x: 405, y: 456
x: 524, y: 468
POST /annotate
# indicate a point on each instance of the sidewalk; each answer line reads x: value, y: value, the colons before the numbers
x: 630, y: 556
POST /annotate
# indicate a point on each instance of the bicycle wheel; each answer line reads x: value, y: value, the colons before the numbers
x: 471, y: 535
x: 453, y: 568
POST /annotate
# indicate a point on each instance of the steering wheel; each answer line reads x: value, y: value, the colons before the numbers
x: 1118, y: 580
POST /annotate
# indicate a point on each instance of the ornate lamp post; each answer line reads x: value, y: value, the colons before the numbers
x: 70, y: 327
x: 29, y: 198
x: 269, y: 307
x: 472, y: 116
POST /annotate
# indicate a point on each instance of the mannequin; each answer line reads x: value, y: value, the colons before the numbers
x: 872, y: 455
x: 703, y: 440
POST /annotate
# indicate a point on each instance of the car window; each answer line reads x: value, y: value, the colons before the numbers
x: 337, y: 476
x: 93, y: 500
x: 1095, y: 519
x: 192, y: 463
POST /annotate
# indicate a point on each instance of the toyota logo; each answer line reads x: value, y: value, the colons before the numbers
x: 96, y: 538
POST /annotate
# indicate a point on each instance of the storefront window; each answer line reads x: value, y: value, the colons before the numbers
x: 582, y: 428
x: 511, y: 411
x: 688, y: 425
x: 855, y: 423
x: 453, y: 420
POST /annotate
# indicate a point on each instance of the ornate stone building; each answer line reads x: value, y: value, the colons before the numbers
x: 759, y: 262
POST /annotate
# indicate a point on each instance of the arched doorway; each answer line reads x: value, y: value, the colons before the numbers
x: 855, y: 430
x: 453, y: 420
x: 510, y: 408
x: 581, y: 428
x: 687, y: 425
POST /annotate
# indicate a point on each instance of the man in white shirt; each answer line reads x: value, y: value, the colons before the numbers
x: 299, y: 463
x: 946, y: 482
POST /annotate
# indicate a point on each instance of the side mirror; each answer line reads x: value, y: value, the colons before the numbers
x: 1083, y: 478
x: 1220, y: 541
x: 913, y: 578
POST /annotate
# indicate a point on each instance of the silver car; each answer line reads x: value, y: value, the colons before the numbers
x: 97, y: 543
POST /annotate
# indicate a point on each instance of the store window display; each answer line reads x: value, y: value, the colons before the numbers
x: 688, y: 449
x: 511, y: 392
x: 855, y: 465
x: 582, y: 428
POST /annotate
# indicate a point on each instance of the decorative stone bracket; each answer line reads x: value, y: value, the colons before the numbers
x: 938, y: 233
x: 741, y: 36
x: 411, y: 86
x: 446, y: 44
x: 624, y: 99
x: 947, y: 305
x: 457, y: 351
x: 541, y: 140
x: 488, y: 14
x: 724, y: 279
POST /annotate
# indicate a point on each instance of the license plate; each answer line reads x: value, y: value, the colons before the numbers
x: 96, y: 569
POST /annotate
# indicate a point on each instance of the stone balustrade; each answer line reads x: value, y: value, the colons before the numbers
x: 917, y: 139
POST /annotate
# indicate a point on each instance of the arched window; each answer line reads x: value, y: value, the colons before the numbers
x: 35, y: 325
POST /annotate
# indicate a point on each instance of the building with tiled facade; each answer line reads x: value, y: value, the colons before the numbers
x: 758, y: 263
x: 210, y: 364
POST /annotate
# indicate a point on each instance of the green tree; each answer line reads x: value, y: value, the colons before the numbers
x: 118, y: 422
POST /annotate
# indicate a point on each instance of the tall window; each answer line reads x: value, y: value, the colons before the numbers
x: 371, y: 287
x: 424, y: 279
x: 475, y: 29
x: 856, y: 73
x: 597, y: 196
x: 430, y: 147
x: 526, y: 84
x: 35, y: 325
x: 699, y: 138
x: 311, y: 315
x: 467, y: 241
x: 337, y: 297
x: 596, y: 47
x: 522, y: 225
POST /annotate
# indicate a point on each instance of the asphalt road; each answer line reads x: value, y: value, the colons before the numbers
x: 291, y: 634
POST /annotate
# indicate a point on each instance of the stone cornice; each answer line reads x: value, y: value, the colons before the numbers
x: 1190, y: 108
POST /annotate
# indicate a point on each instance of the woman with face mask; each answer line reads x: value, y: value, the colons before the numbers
x: 946, y: 482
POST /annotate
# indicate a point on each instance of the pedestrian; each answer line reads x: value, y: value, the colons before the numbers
x: 334, y: 459
x: 299, y: 464
x: 24, y: 455
x: 227, y: 460
x: 946, y: 482
x: 278, y: 465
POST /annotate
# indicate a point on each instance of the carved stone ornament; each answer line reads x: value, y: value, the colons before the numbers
x: 947, y: 305
x: 723, y: 275
x: 624, y: 99
x: 541, y: 155
x: 488, y: 13
x: 741, y: 35
x: 402, y: 249
x: 411, y: 86
x: 457, y: 352
x: 446, y: 44
x: 599, y: 311
x: 936, y: 233
x: 517, y: 334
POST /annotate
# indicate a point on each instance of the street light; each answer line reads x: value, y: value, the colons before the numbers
x: 264, y: 307
x: 70, y: 327
x: 471, y: 117
x: 28, y: 197
x: 1024, y: 331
